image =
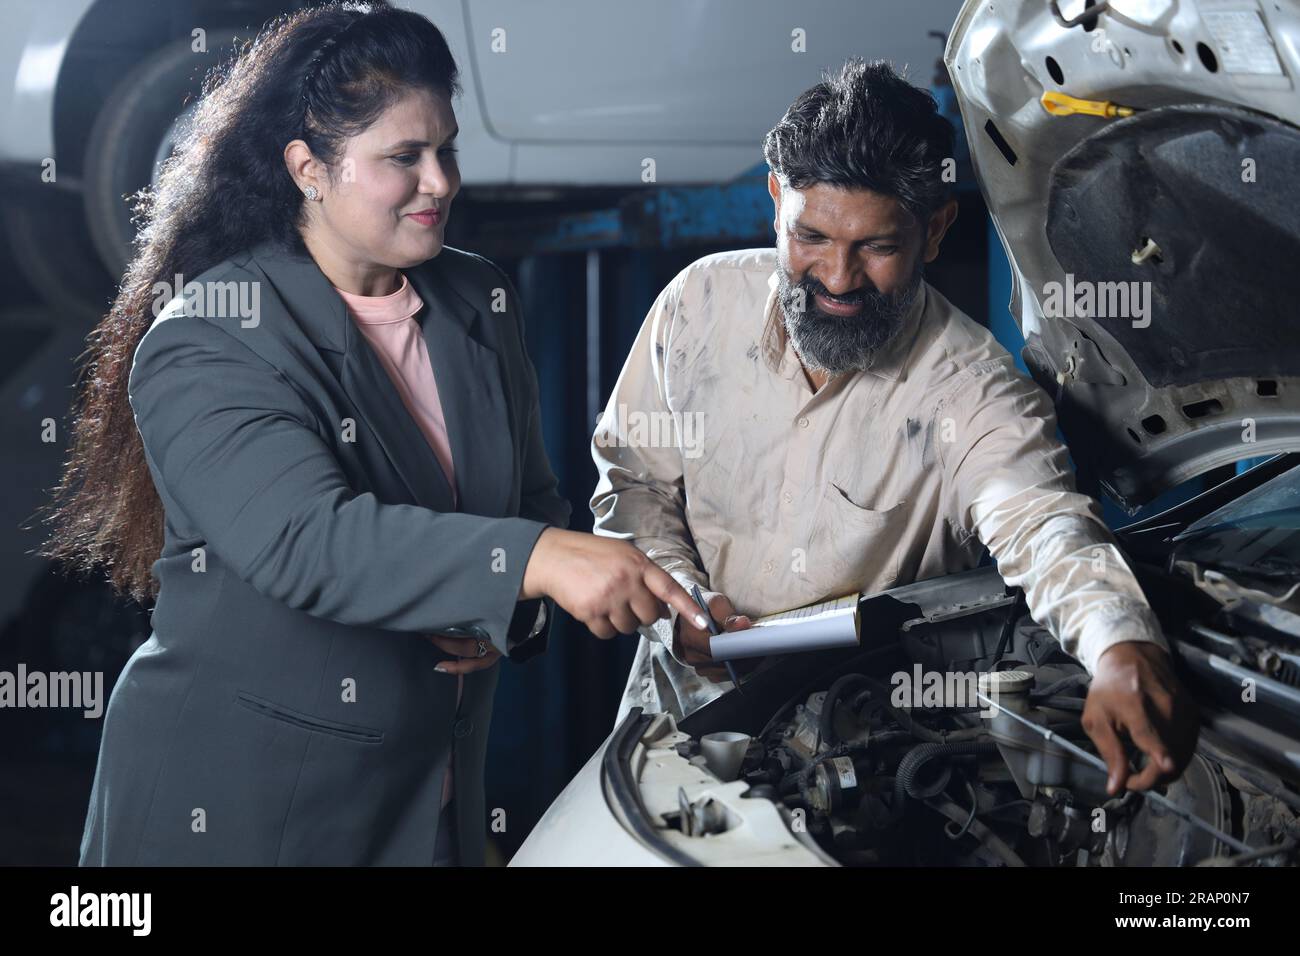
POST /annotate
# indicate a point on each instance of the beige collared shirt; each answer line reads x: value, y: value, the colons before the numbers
x: 719, y: 461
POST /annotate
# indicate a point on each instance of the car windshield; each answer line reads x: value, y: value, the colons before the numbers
x: 1258, y: 532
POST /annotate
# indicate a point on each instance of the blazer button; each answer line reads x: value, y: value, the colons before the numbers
x: 462, y: 728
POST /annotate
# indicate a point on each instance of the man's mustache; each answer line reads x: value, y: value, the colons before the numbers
x: 812, y: 287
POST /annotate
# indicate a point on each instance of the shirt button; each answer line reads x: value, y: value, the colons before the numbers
x: 787, y: 497
x: 462, y: 728
x: 768, y: 566
x: 803, y: 422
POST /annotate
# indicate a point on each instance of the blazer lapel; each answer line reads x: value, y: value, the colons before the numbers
x: 366, y: 381
x: 466, y: 371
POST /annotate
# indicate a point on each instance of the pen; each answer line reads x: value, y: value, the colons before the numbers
x: 714, y: 630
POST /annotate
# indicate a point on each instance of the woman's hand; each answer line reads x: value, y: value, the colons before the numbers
x: 466, y: 648
x: 607, y: 584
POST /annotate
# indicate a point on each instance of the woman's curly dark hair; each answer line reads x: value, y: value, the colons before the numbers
x: 320, y: 74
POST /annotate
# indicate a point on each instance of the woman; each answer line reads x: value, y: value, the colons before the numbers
x: 327, y: 425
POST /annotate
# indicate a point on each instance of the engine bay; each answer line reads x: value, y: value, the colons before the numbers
x: 893, y: 756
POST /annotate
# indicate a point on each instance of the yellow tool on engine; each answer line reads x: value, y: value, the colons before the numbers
x: 1062, y: 104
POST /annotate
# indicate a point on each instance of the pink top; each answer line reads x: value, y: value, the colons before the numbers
x: 388, y: 323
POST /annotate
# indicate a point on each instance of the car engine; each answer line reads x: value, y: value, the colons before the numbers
x: 893, y: 757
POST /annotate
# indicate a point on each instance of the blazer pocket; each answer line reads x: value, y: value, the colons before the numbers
x: 334, y: 728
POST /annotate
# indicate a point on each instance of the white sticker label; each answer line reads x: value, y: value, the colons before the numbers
x: 1243, y: 42
x: 844, y: 768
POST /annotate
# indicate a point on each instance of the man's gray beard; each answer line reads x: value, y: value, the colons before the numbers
x: 837, y: 344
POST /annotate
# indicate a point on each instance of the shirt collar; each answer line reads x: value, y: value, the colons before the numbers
x: 395, y: 307
x: 890, y: 363
x: 322, y: 313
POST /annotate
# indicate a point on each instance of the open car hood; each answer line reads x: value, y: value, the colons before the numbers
x: 1167, y: 363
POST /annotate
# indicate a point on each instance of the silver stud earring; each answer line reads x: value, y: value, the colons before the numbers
x: 311, y: 193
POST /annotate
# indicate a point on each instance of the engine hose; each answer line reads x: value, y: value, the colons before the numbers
x: 884, y: 738
x: 990, y: 840
x: 1062, y: 702
x: 1065, y: 683
x: 826, y: 726
x: 861, y: 661
x: 906, y: 778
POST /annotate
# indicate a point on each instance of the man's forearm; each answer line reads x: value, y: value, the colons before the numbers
x: 649, y: 514
x: 1010, y: 482
x: 651, y: 520
x: 1077, y: 583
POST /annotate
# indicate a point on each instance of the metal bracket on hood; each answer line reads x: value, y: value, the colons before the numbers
x: 1090, y: 13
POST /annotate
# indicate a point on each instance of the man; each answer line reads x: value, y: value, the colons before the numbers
x: 854, y: 431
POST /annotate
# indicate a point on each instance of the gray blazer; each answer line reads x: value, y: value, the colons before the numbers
x: 286, y: 709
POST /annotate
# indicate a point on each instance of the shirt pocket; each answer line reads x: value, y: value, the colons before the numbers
x: 864, y: 545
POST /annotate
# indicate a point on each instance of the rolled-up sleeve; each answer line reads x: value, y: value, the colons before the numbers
x: 639, y: 495
x: 1008, y: 480
x: 232, y: 445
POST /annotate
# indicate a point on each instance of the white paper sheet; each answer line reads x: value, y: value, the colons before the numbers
x: 816, y: 627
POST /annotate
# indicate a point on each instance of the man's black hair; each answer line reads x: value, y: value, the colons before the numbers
x: 865, y: 127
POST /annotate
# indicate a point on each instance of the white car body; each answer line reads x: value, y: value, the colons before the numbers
x: 695, y: 98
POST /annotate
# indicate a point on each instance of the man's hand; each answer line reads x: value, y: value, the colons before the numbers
x: 1135, y: 694
x: 691, y: 643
